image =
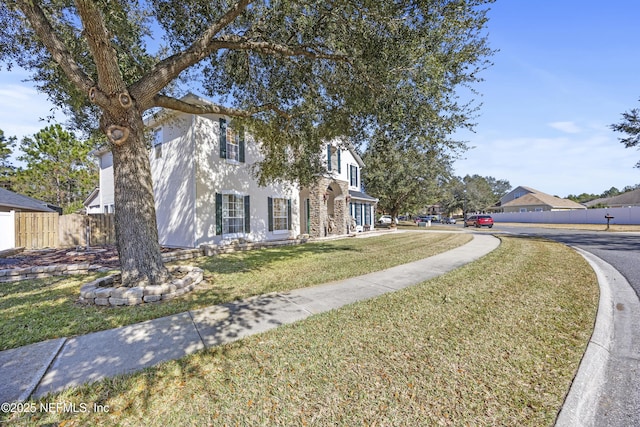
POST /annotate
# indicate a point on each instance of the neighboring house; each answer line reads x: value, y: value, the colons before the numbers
x: 10, y: 201
x: 205, y: 192
x: 526, y: 199
x: 101, y: 199
x: 624, y: 200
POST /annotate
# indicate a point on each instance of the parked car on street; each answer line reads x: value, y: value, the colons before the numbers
x: 448, y: 220
x: 479, y: 221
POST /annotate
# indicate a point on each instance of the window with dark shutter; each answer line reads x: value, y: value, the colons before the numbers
x: 247, y: 215
x: 223, y: 138
x: 218, y: 214
x: 241, y: 146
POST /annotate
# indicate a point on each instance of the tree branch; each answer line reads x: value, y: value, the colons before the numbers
x: 56, y: 48
x: 240, y: 43
x: 167, y: 70
x: 170, y: 103
x: 104, y: 55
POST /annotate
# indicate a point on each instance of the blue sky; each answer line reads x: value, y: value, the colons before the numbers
x: 565, y: 71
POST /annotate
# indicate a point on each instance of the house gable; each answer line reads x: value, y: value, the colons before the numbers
x: 525, y: 199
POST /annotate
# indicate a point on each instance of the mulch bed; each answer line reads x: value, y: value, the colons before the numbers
x: 106, y: 256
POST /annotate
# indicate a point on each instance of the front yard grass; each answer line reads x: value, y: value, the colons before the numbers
x: 494, y: 343
x: 36, y: 310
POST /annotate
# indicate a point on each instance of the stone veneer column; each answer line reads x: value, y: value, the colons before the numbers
x: 319, y: 217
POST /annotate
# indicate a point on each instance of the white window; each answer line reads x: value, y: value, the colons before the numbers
x: 157, y: 142
x: 233, y: 145
x: 333, y: 159
x: 280, y: 215
x: 232, y: 214
x: 353, y: 173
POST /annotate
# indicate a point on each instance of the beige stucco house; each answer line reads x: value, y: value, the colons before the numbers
x: 624, y: 200
x: 527, y: 199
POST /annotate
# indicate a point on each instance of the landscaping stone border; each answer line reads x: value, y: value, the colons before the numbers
x: 17, y: 274
x: 230, y: 246
x: 99, y: 291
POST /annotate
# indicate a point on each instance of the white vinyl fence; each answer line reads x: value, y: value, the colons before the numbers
x: 622, y: 216
x: 7, y: 230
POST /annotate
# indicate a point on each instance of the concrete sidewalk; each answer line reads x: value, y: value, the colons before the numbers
x: 51, y: 366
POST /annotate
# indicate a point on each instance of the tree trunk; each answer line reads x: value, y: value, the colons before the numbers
x: 135, y: 214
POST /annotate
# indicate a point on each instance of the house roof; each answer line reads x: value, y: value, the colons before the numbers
x: 91, y: 197
x: 13, y: 200
x: 630, y: 198
x: 538, y: 198
x: 359, y: 195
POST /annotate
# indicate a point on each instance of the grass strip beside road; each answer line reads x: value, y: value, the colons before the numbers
x: 496, y: 342
x: 36, y: 310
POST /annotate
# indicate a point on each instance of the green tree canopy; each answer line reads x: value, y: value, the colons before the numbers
x: 296, y: 72
x: 482, y: 192
x: 404, y: 179
x: 6, y: 167
x: 57, y: 169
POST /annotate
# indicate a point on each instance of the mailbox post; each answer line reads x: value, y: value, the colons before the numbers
x: 608, y: 218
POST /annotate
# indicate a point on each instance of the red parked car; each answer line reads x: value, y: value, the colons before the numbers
x: 479, y: 221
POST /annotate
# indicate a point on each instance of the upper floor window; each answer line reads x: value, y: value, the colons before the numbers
x: 157, y: 142
x: 353, y: 176
x: 231, y: 142
x: 333, y: 158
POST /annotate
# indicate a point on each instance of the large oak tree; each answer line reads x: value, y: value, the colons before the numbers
x: 294, y: 72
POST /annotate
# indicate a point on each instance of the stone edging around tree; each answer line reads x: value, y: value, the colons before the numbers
x: 99, y: 291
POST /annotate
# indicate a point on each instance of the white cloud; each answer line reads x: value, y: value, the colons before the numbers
x: 22, y: 109
x: 567, y: 127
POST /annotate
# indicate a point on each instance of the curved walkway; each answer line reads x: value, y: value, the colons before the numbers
x: 54, y: 365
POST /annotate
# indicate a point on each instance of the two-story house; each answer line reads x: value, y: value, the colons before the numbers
x: 336, y: 204
x: 205, y: 192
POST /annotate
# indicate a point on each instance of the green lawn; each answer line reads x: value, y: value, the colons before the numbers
x: 35, y: 310
x: 494, y: 343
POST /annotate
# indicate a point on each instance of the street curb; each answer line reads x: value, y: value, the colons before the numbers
x: 581, y: 403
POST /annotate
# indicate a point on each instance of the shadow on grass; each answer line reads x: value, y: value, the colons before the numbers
x: 241, y: 262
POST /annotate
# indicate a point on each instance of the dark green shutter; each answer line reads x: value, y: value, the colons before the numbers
x: 247, y: 215
x: 339, y: 161
x: 289, y: 214
x: 270, y: 209
x: 223, y: 138
x: 329, y: 157
x: 218, y: 214
x: 241, y: 146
